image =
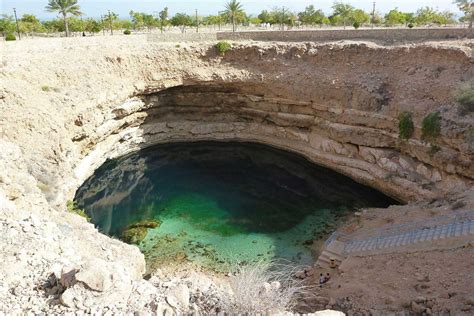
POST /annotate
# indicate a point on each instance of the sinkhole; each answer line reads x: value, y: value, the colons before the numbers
x: 218, y: 203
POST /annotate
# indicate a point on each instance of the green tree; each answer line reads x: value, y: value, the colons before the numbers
x: 7, y: 24
x: 150, y: 21
x: 65, y: 8
x: 311, y: 16
x: 54, y: 26
x: 283, y: 16
x: 30, y: 23
x: 182, y: 20
x: 254, y: 20
x: 234, y: 12
x: 266, y: 17
x: 467, y: 7
x: 163, y: 18
x: 110, y: 21
x: 426, y: 15
x: 410, y: 17
x: 92, y: 26
x: 359, y: 16
x: 75, y: 25
x: 138, y: 20
x: 444, y: 18
x: 343, y: 10
x: 395, y: 17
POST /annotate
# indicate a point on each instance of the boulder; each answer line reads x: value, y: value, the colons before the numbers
x: 182, y: 296
x: 96, y: 276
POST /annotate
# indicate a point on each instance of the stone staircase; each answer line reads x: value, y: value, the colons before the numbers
x: 333, y: 251
x: 393, y: 238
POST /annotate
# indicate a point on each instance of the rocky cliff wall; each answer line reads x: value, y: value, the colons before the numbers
x: 69, y: 104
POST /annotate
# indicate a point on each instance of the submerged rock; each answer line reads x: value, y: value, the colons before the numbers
x: 151, y: 223
x: 135, y: 233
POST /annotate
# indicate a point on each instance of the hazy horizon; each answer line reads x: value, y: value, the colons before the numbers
x: 93, y: 8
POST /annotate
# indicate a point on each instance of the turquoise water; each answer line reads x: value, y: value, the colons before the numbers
x: 221, y: 203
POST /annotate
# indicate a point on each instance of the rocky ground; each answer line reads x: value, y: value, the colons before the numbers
x: 66, y: 105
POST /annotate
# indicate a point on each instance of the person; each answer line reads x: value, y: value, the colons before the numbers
x: 322, y: 279
x: 327, y: 278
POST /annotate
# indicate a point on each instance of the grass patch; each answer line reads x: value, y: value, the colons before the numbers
x: 405, y: 125
x: 431, y: 127
x: 223, y: 47
x: 262, y: 288
x: 465, y: 98
x: 73, y: 208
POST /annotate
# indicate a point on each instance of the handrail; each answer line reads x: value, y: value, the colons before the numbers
x: 397, y: 229
x: 413, y: 227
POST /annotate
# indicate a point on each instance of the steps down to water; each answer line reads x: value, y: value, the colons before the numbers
x: 420, y: 235
x: 339, y: 246
x: 334, y: 251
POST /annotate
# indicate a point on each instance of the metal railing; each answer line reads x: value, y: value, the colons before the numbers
x: 409, y: 232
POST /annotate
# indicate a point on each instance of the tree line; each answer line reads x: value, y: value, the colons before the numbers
x: 343, y: 14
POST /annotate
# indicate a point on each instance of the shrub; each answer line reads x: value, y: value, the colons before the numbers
x: 255, y: 285
x: 433, y: 149
x: 469, y: 136
x: 405, y: 125
x: 356, y: 25
x: 73, y: 208
x: 10, y: 37
x: 127, y: 32
x: 465, y: 98
x: 223, y: 47
x: 46, y: 88
x: 410, y: 25
x: 431, y: 126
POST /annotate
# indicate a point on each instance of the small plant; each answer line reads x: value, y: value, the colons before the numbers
x: 73, y: 208
x: 46, y: 88
x: 256, y: 284
x: 127, y: 32
x: 405, y: 125
x: 410, y: 25
x: 356, y: 25
x: 10, y: 37
x: 223, y: 47
x: 431, y: 126
x: 469, y: 136
x: 433, y: 149
x: 465, y: 98
x: 178, y: 46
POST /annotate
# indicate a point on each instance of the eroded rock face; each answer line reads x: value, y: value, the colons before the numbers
x: 336, y: 103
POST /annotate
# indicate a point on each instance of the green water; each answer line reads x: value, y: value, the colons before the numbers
x: 221, y: 203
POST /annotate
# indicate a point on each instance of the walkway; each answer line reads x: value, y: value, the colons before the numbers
x: 391, y: 238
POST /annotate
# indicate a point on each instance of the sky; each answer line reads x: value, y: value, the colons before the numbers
x: 95, y: 8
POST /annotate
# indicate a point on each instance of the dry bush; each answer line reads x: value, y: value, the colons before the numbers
x: 262, y: 288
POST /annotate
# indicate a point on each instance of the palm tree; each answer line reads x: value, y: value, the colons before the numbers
x: 234, y: 10
x: 466, y: 6
x: 64, y: 7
